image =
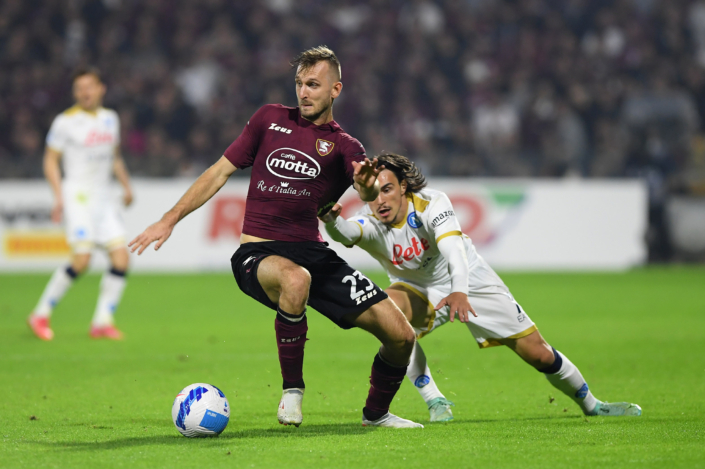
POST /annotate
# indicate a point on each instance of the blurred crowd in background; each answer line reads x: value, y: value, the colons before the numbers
x: 522, y: 88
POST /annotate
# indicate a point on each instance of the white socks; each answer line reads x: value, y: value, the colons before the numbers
x: 563, y: 375
x: 111, y: 287
x: 60, y: 282
x: 420, y: 375
x: 566, y: 377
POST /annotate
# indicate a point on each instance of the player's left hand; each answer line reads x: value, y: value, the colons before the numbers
x: 331, y: 214
x: 365, y: 173
x: 159, y: 232
x: 127, y: 197
x: 459, y: 304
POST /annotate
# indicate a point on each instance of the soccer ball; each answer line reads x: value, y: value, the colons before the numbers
x: 200, y: 410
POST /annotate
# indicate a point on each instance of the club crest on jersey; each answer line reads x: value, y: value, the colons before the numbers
x: 414, y: 220
x: 324, y: 147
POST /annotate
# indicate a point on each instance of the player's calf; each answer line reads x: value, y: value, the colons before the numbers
x: 566, y: 377
x: 385, y: 380
x: 61, y: 280
x: 291, y: 339
x: 112, y: 286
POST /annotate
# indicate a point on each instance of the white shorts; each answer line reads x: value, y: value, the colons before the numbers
x: 499, y: 316
x: 92, y: 220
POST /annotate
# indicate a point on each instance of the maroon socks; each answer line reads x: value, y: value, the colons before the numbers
x: 291, y: 338
x: 385, y: 381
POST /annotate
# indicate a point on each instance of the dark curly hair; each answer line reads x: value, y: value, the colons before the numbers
x: 404, y: 169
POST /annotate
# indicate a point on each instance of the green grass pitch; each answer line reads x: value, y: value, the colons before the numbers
x: 73, y: 402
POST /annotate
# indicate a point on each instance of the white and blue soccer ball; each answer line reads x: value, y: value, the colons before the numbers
x: 200, y: 410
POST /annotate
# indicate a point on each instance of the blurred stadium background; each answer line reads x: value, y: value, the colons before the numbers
x: 570, y: 89
x: 569, y: 134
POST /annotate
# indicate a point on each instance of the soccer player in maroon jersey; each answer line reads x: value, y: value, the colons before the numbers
x: 302, y: 162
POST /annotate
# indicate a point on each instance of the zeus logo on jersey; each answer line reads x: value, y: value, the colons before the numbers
x: 289, y: 163
x: 442, y: 218
x: 274, y: 126
x: 417, y: 248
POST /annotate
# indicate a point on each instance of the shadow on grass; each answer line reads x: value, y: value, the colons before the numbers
x: 519, y: 419
x: 308, y: 431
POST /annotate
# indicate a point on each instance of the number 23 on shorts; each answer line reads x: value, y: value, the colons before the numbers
x: 359, y: 295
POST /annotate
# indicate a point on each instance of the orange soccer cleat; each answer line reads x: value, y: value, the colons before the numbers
x: 106, y: 332
x: 40, y: 327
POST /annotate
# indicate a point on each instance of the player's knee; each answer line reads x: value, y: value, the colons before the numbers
x: 296, y: 280
x: 120, y: 262
x: 540, y: 357
x: 121, y: 266
x: 405, y: 341
x: 295, y: 285
x: 409, y: 341
x: 79, y: 264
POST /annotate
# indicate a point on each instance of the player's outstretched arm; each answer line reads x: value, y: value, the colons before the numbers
x: 340, y: 230
x: 52, y: 172
x: 198, y: 194
x: 365, y: 179
x: 453, y: 249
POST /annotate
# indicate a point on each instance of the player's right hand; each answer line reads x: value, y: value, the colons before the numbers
x: 332, y: 214
x: 159, y: 232
x: 459, y: 304
x: 57, y: 211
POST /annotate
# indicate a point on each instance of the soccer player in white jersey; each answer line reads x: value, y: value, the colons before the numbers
x: 436, y: 274
x: 86, y: 138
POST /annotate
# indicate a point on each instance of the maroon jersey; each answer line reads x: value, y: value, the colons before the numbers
x: 298, y: 169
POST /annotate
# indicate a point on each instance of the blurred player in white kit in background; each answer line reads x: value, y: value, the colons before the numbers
x: 86, y: 138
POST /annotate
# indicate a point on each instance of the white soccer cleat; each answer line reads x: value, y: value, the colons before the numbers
x: 390, y: 421
x: 439, y: 408
x: 289, y: 412
x: 615, y: 409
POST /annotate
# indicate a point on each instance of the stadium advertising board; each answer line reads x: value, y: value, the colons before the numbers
x: 515, y: 224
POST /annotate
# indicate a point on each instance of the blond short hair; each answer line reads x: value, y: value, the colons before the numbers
x: 312, y: 56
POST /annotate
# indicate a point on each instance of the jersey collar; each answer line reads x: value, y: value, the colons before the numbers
x: 417, y: 205
x: 331, y: 126
x: 76, y: 109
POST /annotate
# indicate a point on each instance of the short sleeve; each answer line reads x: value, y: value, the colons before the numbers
x: 57, y: 138
x: 442, y: 219
x: 352, y: 151
x: 241, y: 153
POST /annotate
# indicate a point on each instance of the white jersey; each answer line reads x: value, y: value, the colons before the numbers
x: 409, y: 253
x: 409, y: 250
x: 87, y: 142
